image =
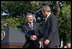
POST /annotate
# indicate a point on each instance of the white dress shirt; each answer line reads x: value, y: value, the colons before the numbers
x: 47, y: 17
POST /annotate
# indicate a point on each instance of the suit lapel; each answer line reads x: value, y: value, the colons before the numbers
x: 35, y: 28
x: 33, y: 25
x: 27, y: 26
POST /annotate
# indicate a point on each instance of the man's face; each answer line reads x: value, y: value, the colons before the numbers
x: 30, y: 18
x: 44, y: 13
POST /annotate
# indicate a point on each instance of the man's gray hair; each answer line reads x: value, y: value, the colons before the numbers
x: 46, y: 8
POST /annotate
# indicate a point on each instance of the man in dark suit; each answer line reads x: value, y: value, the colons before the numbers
x: 50, y: 36
x: 30, y: 28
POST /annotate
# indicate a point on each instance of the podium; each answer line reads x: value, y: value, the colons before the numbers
x: 13, y: 38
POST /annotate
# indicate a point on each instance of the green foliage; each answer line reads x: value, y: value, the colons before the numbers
x: 64, y: 22
x: 13, y: 22
x: 16, y: 8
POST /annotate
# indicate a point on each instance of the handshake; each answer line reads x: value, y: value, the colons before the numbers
x: 32, y: 35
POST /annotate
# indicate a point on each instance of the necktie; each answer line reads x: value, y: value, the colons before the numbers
x: 45, y: 20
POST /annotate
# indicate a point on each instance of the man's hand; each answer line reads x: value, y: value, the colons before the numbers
x: 65, y: 46
x: 33, y: 37
x: 46, y: 42
x: 69, y: 45
x: 41, y: 44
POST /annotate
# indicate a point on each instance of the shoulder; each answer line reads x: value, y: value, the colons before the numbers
x: 35, y: 23
x: 52, y: 16
x: 24, y: 24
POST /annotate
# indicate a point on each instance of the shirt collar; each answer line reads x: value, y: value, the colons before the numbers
x: 47, y: 16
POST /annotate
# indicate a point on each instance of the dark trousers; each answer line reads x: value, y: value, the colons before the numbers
x: 31, y: 44
x: 57, y: 46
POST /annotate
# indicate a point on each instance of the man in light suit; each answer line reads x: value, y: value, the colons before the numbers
x: 50, y: 36
x: 30, y: 28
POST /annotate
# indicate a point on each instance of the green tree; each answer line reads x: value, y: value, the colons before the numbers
x: 64, y: 22
x: 18, y: 8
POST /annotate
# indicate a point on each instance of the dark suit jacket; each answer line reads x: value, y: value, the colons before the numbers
x: 50, y: 30
x: 28, y: 32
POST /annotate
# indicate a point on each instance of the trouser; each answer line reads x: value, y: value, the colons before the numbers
x: 31, y: 44
x: 56, y: 46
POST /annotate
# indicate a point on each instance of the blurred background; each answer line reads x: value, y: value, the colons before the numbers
x: 13, y: 13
